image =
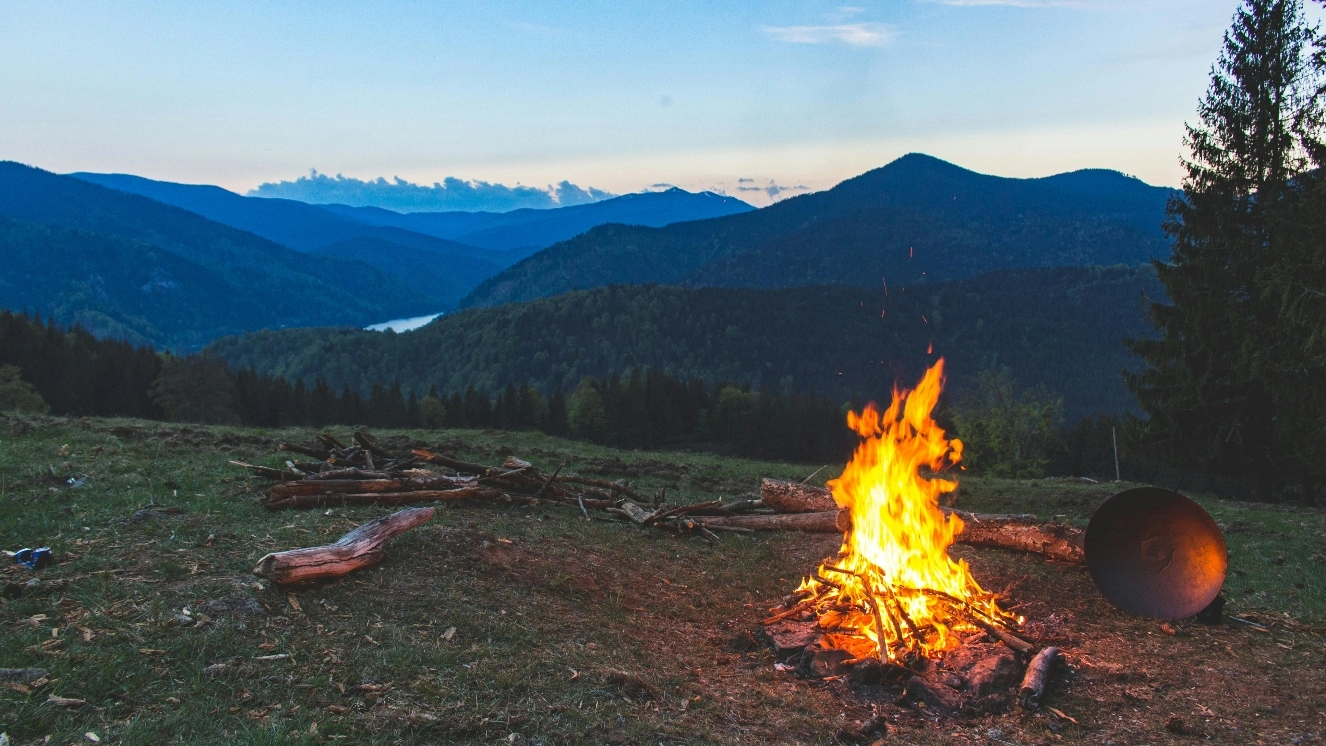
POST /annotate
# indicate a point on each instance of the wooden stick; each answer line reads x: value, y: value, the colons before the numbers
x: 1004, y: 636
x: 312, y: 452
x: 785, y: 614
x: 268, y: 472
x: 457, y: 464
x: 549, y: 481
x: 361, y: 547
x: 366, y: 440
x: 879, y: 620
x: 401, y: 484
x: 385, y: 498
x: 1037, y: 676
x: 351, y: 473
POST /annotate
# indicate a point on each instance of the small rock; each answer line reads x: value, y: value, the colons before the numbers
x: 994, y: 673
x: 790, y: 637
x: 22, y: 675
x: 868, y: 671
x: 944, y: 699
x: 821, y: 663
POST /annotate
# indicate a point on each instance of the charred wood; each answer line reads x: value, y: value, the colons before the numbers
x: 1038, y: 676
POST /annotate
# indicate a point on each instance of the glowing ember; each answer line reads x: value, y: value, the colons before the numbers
x: 893, y: 576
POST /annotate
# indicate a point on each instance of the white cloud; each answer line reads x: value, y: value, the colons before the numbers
x: 851, y: 34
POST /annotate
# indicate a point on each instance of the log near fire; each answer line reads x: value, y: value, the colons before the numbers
x: 1018, y: 532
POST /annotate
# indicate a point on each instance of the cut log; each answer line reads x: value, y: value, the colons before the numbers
x: 790, y: 497
x: 1056, y: 541
x: 361, y: 547
x: 407, y: 484
x: 1038, y: 676
x: 332, y: 500
x: 1022, y: 532
x: 835, y: 522
x: 451, y: 463
x: 316, y: 453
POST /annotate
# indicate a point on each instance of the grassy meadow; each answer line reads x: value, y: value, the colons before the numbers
x: 537, y: 625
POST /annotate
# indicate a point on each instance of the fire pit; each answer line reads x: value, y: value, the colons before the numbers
x: 893, y: 608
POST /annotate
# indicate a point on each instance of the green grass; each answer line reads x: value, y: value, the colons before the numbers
x: 547, y: 606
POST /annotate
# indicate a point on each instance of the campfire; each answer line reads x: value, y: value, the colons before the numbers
x: 893, y: 594
x: 893, y: 591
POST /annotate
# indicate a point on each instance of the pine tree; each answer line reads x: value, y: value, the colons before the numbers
x: 1206, y: 408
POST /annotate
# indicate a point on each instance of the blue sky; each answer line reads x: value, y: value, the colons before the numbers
x: 614, y: 95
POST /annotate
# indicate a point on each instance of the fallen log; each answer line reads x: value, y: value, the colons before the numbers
x: 1019, y: 533
x: 336, y: 499
x: 790, y: 497
x: 1037, y: 676
x: 835, y: 522
x: 450, y: 463
x: 361, y: 547
x: 406, y: 484
x: 1022, y: 532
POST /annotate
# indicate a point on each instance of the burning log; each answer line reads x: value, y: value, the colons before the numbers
x: 1022, y: 533
x: 1038, y: 675
x: 361, y: 547
x: 894, y: 565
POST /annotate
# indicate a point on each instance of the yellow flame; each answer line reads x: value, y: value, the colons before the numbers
x: 893, y: 575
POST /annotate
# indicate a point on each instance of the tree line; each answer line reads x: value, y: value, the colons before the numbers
x: 68, y: 371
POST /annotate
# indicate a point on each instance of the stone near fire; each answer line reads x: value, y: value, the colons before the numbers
x: 790, y: 637
x: 995, y: 672
x: 821, y: 663
x: 923, y: 690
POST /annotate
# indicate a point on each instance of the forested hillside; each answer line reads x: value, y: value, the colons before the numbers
x: 128, y: 266
x: 1059, y: 328
x: 917, y: 219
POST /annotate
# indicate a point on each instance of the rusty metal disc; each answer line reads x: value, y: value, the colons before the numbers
x: 1155, y: 553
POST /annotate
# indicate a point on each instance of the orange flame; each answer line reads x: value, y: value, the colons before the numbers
x: 893, y: 586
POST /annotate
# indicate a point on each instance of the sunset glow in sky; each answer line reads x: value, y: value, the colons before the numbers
x: 786, y: 96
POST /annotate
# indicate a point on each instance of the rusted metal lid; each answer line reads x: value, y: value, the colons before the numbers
x: 1155, y: 553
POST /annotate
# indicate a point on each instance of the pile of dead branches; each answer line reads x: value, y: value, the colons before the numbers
x: 366, y: 473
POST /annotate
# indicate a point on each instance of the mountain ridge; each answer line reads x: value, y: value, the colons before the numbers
x: 1064, y: 219
x: 284, y: 287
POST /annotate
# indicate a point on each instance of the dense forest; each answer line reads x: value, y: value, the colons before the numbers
x: 45, y: 367
x: 1060, y: 329
x: 918, y: 219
